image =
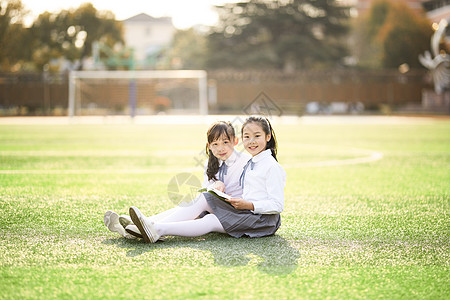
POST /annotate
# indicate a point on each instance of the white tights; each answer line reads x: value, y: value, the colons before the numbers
x: 181, y: 221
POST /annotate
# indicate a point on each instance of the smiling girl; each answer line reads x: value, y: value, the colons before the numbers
x: 225, y: 164
x: 255, y: 214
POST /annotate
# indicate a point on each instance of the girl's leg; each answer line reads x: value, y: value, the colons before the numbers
x: 162, y: 215
x: 176, y: 214
x: 190, y: 228
x: 125, y: 220
x: 184, y: 213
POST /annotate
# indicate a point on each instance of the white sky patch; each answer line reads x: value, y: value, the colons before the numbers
x: 184, y: 13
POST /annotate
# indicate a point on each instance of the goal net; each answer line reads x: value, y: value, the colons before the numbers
x: 137, y: 92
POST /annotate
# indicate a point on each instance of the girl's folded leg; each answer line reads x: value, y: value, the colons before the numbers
x: 190, y: 228
x: 184, y: 213
x: 162, y: 215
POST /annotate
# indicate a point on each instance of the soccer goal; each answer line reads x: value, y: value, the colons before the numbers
x: 137, y: 92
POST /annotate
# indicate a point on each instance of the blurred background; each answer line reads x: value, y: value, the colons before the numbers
x: 315, y: 57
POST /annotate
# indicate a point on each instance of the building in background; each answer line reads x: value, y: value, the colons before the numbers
x: 149, y: 37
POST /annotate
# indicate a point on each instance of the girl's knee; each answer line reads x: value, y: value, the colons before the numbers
x: 210, y: 217
x: 213, y: 222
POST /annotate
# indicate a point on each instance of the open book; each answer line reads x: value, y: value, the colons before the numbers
x: 217, y: 193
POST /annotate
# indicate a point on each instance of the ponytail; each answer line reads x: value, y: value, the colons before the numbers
x: 213, y: 165
x: 272, y: 143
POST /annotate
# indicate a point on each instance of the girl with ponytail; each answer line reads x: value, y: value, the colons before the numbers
x: 225, y: 164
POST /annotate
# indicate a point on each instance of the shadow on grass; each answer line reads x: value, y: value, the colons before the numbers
x: 273, y: 254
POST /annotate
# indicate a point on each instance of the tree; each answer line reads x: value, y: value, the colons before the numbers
x: 49, y: 38
x: 188, y: 50
x: 99, y: 26
x: 12, y: 35
x: 392, y: 34
x: 70, y: 33
x: 286, y: 34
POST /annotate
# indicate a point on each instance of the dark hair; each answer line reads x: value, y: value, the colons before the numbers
x: 267, y: 128
x: 214, y: 132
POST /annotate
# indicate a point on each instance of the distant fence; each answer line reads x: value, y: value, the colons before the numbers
x: 33, y: 94
x: 292, y: 92
x: 38, y: 94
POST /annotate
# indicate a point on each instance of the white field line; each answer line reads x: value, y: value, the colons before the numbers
x: 371, y: 156
x: 94, y: 153
x: 104, y: 171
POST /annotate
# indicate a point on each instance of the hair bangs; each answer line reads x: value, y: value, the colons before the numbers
x: 219, y: 130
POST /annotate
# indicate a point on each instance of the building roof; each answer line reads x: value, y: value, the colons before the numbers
x: 143, y: 17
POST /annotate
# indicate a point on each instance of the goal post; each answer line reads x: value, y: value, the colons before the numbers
x: 131, y: 91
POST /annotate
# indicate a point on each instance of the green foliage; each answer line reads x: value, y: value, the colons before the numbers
x: 392, y: 34
x: 13, y: 36
x: 69, y: 34
x: 374, y: 230
x: 279, y: 34
x: 188, y: 50
x: 404, y: 36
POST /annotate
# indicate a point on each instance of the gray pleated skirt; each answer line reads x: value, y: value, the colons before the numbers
x: 242, y: 222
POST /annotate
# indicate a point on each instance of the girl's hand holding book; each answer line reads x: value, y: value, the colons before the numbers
x: 240, y: 203
x: 219, y: 185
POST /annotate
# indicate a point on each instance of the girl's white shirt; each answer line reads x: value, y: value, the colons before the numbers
x: 235, y: 165
x: 264, y: 185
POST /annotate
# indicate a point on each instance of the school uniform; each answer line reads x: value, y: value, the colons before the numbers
x: 229, y: 173
x: 263, y: 181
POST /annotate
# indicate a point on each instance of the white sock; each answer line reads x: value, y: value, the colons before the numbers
x: 191, y: 228
x: 184, y: 213
x: 161, y: 215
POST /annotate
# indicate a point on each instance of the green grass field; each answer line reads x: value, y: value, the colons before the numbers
x: 377, y: 229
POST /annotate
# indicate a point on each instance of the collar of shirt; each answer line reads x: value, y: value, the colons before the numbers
x: 230, y: 160
x: 262, y: 155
